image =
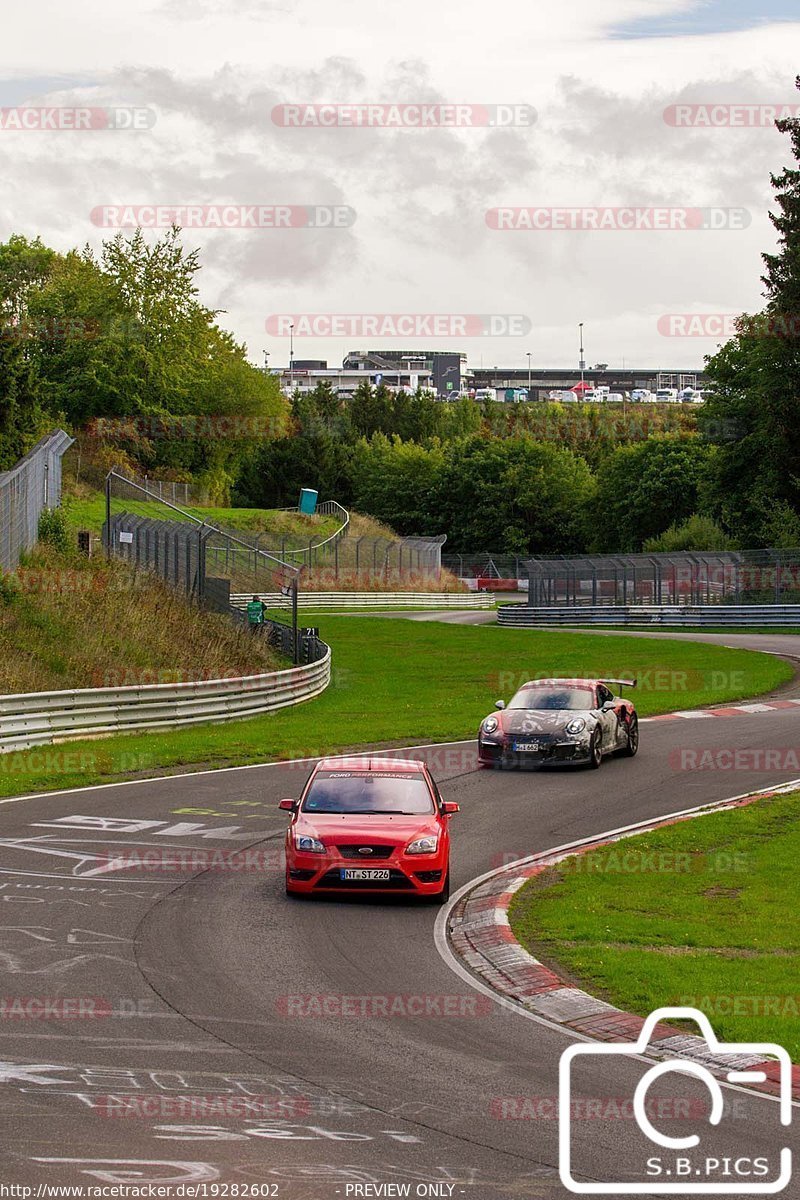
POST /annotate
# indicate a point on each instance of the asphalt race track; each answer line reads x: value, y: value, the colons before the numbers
x: 211, y: 984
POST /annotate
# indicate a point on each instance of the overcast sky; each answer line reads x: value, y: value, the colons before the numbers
x: 600, y: 75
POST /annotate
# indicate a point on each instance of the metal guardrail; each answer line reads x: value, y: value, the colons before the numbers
x: 39, y: 718
x: 728, y: 615
x: 373, y: 599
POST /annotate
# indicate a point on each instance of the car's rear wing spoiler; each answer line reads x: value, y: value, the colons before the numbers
x: 621, y: 682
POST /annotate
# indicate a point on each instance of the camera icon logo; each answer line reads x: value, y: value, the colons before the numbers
x: 735, y: 1062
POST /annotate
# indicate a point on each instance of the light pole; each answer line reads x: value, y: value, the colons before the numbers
x: 529, y: 374
x: 582, y: 362
x: 291, y: 357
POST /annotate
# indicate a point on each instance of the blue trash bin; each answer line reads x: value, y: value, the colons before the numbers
x: 308, y: 501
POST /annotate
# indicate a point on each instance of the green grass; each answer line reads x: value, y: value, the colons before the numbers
x: 89, y: 512
x: 398, y: 682
x: 703, y: 914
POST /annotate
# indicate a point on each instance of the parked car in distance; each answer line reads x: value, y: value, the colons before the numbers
x: 667, y: 396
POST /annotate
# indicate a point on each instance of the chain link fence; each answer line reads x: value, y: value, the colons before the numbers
x: 725, y: 577
x: 368, y: 558
x: 29, y: 487
x: 486, y: 566
x: 208, y: 564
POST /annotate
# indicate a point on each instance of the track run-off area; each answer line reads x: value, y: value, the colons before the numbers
x: 205, y: 1032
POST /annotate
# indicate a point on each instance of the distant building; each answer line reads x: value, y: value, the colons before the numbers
x: 553, y: 379
x: 446, y: 374
x: 345, y: 379
x: 448, y: 369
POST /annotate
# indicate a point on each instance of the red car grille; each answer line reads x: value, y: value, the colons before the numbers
x: 356, y: 851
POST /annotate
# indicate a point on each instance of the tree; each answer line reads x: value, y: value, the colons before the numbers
x: 753, y: 415
x: 126, y: 337
x: 696, y: 533
x: 511, y: 496
x: 370, y: 410
x: 395, y: 482
x: 22, y: 420
x: 24, y: 267
x: 644, y: 488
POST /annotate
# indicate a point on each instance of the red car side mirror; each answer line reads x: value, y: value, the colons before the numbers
x: 450, y: 808
x: 287, y: 805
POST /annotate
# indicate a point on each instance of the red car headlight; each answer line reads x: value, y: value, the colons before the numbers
x: 308, y: 845
x: 424, y: 845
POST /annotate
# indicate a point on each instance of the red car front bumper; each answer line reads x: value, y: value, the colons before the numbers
x: 409, y: 874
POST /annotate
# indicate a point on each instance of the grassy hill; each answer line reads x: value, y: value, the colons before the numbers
x: 71, y: 622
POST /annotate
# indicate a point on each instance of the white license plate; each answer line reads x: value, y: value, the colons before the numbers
x: 527, y: 746
x: 375, y: 874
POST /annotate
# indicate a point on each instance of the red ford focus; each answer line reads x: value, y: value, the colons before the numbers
x: 369, y: 825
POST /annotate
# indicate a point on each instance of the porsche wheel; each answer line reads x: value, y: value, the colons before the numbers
x: 595, y: 750
x: 632, y: 744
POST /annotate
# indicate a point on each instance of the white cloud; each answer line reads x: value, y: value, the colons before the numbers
x: 420, y: 242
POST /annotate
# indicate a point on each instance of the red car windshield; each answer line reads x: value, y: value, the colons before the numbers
x: 360, y: 792
x: 569, y: 699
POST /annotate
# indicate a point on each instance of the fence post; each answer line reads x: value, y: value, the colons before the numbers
x: 108, y: 515
x: 201, y: 563
x: 295, y: 639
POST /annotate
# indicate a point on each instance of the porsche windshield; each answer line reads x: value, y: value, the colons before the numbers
x: 364, y: 792
x: 568, y: 699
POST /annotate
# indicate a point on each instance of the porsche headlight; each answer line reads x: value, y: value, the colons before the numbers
x: 490, y: 724
x: 576, y: 726
x: 423, y: 845
x: 308, y: 845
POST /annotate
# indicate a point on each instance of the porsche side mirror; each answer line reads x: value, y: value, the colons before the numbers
x: 499, y: 703
x: 287, y: 805
x: 450, y: 808
x: 607, y: 707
